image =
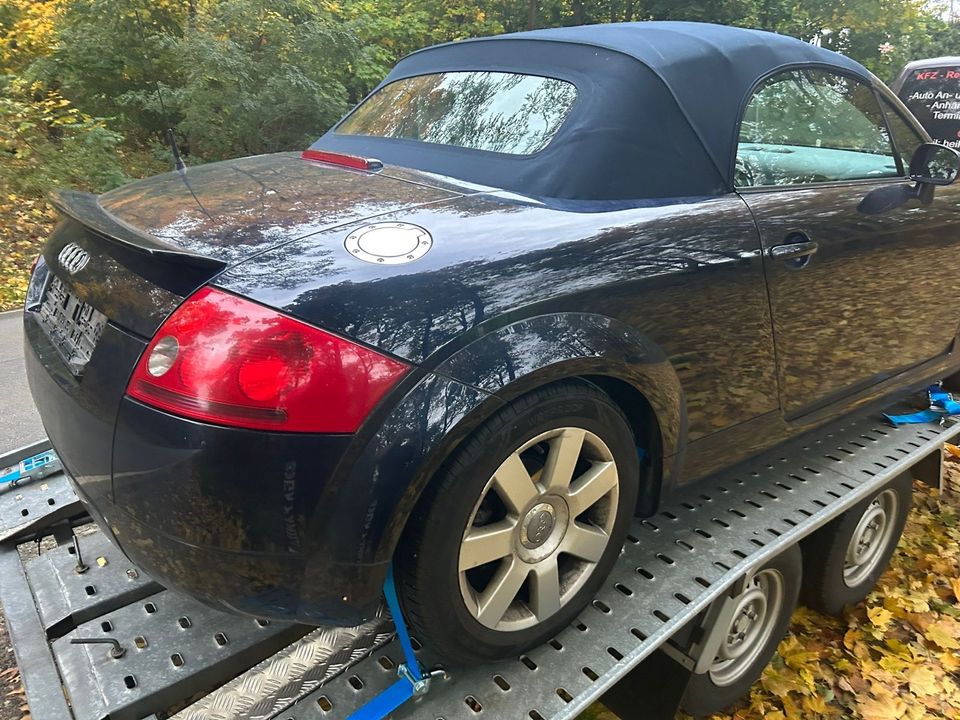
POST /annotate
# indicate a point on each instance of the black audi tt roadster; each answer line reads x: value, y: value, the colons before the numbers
x: 527, y: 288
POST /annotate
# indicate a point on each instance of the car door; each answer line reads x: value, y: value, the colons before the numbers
x: 855, y: 296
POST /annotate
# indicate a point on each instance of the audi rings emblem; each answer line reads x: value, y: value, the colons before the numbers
x: 73, y: 258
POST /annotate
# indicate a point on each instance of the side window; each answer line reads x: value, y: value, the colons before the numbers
x: 905, y: 138
x: 811, y: 126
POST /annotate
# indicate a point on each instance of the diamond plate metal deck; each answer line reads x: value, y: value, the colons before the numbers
x: 276, y: 683
x: 672, y: 567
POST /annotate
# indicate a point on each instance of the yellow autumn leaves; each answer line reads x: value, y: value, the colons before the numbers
x: 895, y: 656
x: 24, y: 225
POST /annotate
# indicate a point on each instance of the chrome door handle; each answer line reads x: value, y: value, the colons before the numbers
x: 794, y: 251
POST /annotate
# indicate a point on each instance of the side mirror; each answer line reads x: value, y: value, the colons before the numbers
x: 934, y: 164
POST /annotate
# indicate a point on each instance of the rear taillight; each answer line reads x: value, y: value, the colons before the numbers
x: 222, y: 359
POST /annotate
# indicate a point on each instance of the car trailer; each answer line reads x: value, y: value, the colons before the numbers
x: 97, y: 638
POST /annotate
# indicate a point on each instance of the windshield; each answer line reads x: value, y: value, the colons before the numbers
x: 933, y: 95
x: 496, y: 111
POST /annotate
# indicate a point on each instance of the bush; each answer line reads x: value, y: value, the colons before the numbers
x: 46, y: 143
x: 261, y: 76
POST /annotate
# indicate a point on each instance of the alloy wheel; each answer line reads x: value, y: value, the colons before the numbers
x: 541, y: 525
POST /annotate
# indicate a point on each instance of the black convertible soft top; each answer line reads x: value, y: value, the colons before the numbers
x: 657, y: 111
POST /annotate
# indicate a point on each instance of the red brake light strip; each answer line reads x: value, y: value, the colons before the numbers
x: 354, y: 162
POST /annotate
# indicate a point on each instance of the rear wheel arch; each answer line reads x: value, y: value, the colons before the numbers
x: 427, y: 553
x: 478, y: 380
x: 638, y: 410
x: 515, y: 359
x: 635, y: 404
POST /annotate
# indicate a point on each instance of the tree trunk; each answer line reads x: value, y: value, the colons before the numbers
x: 531, y: 14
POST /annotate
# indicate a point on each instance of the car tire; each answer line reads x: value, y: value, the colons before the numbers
x: 844, y: 559
x: 729, y: 678
x: 556, y: 539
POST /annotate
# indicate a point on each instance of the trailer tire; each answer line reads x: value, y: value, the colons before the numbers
x: 727, y: 681
x: 833, y: 576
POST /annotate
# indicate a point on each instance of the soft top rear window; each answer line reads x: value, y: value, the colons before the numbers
x: 495, y: 111
x: 933, y: 96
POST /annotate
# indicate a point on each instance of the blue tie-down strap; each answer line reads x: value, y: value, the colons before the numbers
x: 942, y: 405
x: 33, y: 468
x: 412, y: 680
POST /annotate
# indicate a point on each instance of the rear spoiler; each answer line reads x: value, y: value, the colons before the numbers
x: 86, y: 209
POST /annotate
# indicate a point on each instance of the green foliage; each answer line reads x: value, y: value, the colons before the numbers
x: 237, y: 77
x: 89, y: 87
x: 261, y: 76
x: 386, y: 30
x: 46, y: 143
x: 108, y: 57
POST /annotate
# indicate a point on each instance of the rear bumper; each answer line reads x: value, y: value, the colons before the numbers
x: 79, y: 414
x: 236, y: 518
x: 231, y: 517
x: 264, y: 585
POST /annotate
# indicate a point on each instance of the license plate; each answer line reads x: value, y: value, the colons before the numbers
x: 73, y: 326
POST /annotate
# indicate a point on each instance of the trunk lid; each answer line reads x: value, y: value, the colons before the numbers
x: 233, y: 209
x: 152, y: 242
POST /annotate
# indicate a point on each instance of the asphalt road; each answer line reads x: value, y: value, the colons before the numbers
x: 19, y: 425
x: 19, y: 422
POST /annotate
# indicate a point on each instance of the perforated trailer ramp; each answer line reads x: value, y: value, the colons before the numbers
x: 672, y: 567
x: 644, y: 624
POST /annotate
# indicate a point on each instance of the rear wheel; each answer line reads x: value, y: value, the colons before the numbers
x: 518, y: 531
x: 844, y: 559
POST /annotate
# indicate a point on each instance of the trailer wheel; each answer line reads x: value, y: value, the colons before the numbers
x: 844, y: 560
x: 760, y: 621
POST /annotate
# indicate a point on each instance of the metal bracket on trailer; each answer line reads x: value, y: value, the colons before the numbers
x: 649, y: 624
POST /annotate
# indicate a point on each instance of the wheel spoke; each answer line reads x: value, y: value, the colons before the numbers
x: 562, y: 459
x: 545, y: 588
x: 486, y: 544
x: 591, y: 486
x: 501, y: 591
x: 584, y: 542
x: 515, y: 487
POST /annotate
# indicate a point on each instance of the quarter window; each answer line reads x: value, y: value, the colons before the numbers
x: 811, y: 126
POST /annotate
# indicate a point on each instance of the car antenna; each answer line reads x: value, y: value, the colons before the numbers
x: 178, y: 164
